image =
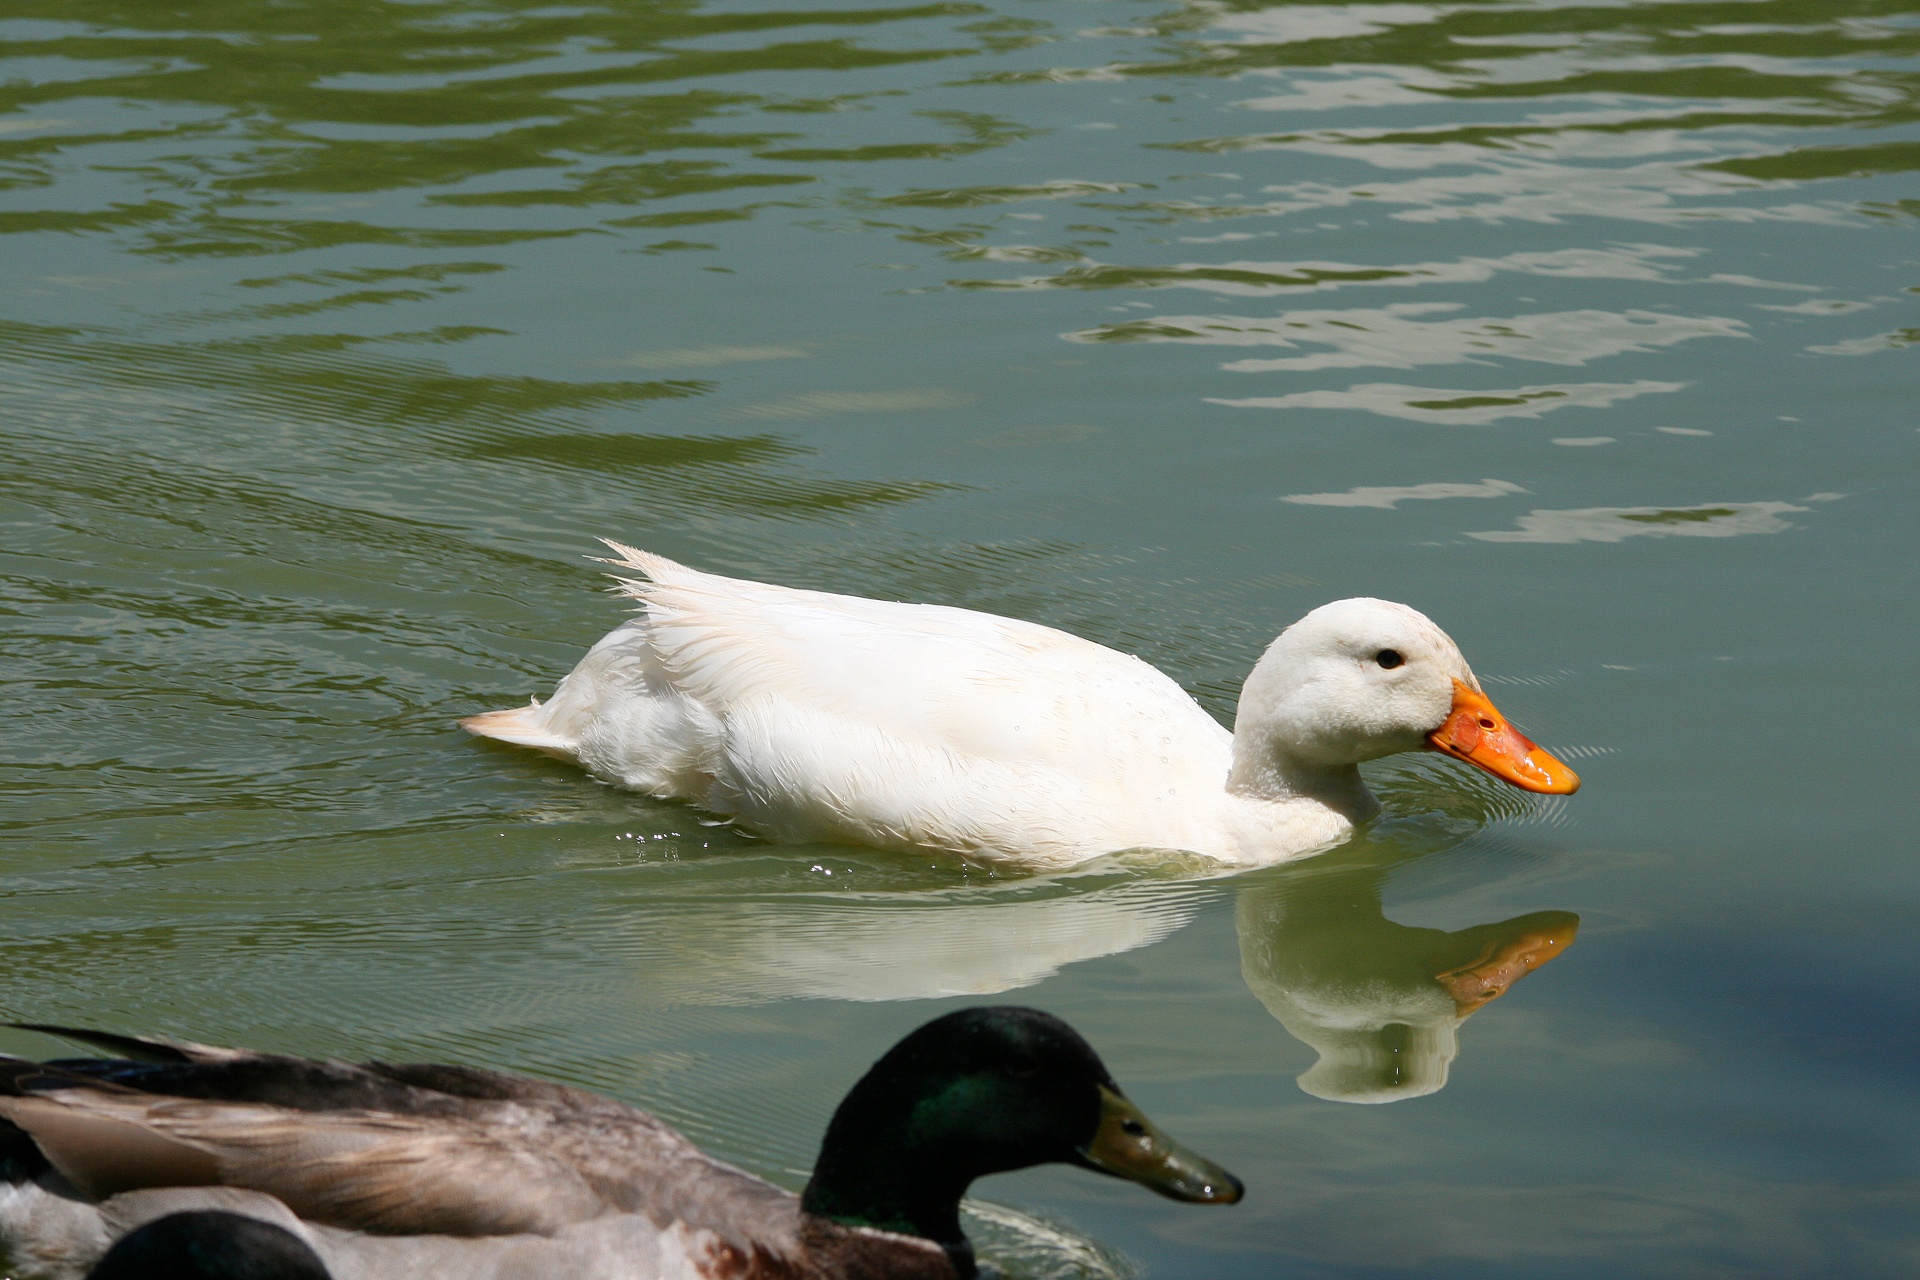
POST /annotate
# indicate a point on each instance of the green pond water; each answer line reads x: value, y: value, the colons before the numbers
x: 334, y: 331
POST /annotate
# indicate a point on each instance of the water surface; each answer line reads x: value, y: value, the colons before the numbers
x: 335, y: 333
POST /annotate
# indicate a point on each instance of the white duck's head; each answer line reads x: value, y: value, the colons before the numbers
x: 1359, y: 679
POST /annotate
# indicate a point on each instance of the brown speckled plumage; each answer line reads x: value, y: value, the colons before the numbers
x: 414, y: 1171
x: 423, y: 1150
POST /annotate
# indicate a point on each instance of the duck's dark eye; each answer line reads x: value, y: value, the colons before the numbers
x: 1133, y: 1127
x: 1389, y: 658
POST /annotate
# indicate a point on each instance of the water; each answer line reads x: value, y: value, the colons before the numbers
x: 335, y: 333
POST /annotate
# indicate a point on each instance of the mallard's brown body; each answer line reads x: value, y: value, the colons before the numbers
x: 389, y: 1169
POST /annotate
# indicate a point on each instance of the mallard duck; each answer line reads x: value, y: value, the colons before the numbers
x: 454, y: 1173
x: 805, y: 716
x: 209, y: 1244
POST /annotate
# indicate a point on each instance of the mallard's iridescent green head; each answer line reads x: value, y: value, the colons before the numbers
x: 987, y: 1091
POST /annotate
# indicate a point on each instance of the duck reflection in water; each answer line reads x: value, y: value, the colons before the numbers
x: 1380, y: 1002
x: 903, y: 945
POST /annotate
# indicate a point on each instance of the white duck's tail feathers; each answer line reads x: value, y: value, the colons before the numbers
x: 524, y: 727
x: 652, y: 568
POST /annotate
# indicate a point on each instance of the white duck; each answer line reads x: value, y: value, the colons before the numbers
x: 807, y: 716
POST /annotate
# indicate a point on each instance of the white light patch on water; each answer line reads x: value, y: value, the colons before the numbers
x: 1015, y: 253
x: 1388, y: 496
x: 1584, y: 442
x: 1620, y: 262
x: 1030, y: 437
x: 1297, y: 23
x: 1245, y: 278
x: 1535, y: 188
x: 1815, y: 307
x: 1396, y: 337
x: 821, y: 404
x: 27, y: 126
x: 707, y: 357
x: 1442, y: 404
x: 1684, y: 431
x: 1757, y: 282
x: 1356, y: 91
x: 1617, y: 524
x: 1894, y: 341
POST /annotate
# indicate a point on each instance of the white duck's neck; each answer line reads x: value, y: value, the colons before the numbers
x: 1289, y: 724
x: 1262, y: 774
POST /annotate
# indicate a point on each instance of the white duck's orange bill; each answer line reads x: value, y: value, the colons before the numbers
x: 1476, y: 732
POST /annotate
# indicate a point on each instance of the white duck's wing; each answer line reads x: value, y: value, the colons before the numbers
x: 804, y: 710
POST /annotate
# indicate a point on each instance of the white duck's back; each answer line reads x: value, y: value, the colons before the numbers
x: 812, y: 716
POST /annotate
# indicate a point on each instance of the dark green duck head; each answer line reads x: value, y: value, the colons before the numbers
x: 987, y: 1091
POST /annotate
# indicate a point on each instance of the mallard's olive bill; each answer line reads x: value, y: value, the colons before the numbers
x: 1128, y: 1146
